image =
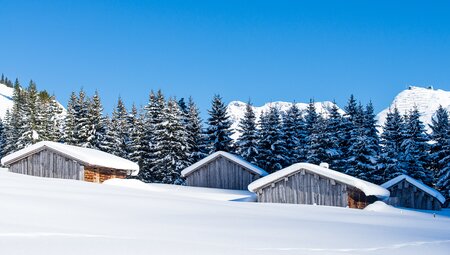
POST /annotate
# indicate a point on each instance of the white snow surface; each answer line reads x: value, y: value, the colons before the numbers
x: 227, y: 155
x: 368, y: 188
x: 236, y: 111
x: 45, y: 216
x: 88, y: 156
x: 427, y: 101
x: 6, y: 102
x: 420, y: 185
x: 194, y: 192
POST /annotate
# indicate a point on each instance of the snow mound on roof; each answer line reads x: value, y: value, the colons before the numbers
x: 85, y: 155
x: 227, y: 155
x: 425, y: 188
x: 368, y: 188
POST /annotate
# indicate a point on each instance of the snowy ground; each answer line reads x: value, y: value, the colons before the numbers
x: 49, y: 216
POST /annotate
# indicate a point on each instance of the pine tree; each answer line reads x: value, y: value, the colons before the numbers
x: 108, y: 143
x: 171, y: 147
x: 2, y: 139
x: 135, y: 123
x: 219, y: 132
x: 312, y: 129
x: 364, y: 150
x: 70, y: 120
x: 294, y: 135
x: 81, y: 120
x: 96, y: 123
x: 391, y: 140
x: 414, y: 148
x: 119, y: 122
x: 348, y: 126
x: 247, y: 143
x: 10, y: 143
x: 272, y: 149
x: 153, y: 121
x: 335, y: 132
x: 440, y: 151
x: 196, y: 138
x: 27, y: 117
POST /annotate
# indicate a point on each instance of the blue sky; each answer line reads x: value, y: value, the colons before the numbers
x: 263, y: 50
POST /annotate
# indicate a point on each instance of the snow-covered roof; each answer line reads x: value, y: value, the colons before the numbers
x: 420, y: 185
x: 368, y: 188
x: 229, y: 156
x: 85, y: 156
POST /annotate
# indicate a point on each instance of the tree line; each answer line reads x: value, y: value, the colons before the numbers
x: 167, y: 135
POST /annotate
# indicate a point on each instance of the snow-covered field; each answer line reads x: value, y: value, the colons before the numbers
x: 50, y: 216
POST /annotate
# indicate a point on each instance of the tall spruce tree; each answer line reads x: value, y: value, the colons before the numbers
x: 171, y: 146
x: 96, y: 123
x: 135, y: 123
x: 247, y: 143
x: 294, y: 135
x: 440, y: 151
x: 70, y: 120
x: 219, y: 127
x: 81, y: 120
x: 334, y: 131
x: 195, y: 136
x: 415, y: 158
x: 119, y: 122
x: 391, y: 140
x: 272, y: 149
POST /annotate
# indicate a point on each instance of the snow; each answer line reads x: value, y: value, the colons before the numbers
x: 427, y: 101
x: 368, y: 188
x: 227, y: 155
x: 194, y: 192
x: 425, y: 188
x: 236, y: 111
x: 88, y: 156
x: 55, y: 216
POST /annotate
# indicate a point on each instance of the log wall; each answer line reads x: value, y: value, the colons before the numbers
x: 221, y: 173
x: 305, y: 187
x: 47, y: 163
x: 404, y: 194
x: 100, y: 175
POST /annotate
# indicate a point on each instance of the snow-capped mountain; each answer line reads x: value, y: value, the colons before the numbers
x: 5, y: 99
x: 427, y: 101
x: 236, y: 111
x: 6, y: 102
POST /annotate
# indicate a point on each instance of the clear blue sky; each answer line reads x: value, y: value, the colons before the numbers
x: 263, y: 50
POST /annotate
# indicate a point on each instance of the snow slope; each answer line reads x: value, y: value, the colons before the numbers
x: 427, y: 101
x: 53, y: 217
x: 236, y: 111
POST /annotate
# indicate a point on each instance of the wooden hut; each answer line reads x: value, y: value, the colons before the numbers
x: 222, y: 170
x: 408, y: 192
x: 305, y: 183
x: 57, y: 160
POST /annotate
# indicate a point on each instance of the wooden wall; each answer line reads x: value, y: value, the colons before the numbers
x: 100, y: 175
x: 47, y: 163
x: 221, y: 173
x: 404, y: 194
x: 304, y: 187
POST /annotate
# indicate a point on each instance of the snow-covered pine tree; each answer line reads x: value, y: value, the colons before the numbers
x: 271, y: 146
x: 15, y: 122
x: 120, y: 124
x: 108, y: 143
x: 196, y: 138
x: 171, y: 146
x: 70, y: 120
x: 135, y: 123
x: 219, y: 124
x: 2, y: 139
x: 9, y: 145
x: 96, y: 123
x: 415, y: 158
x: 247, y: 143
x: 311, y: 129
x: 347, y: 128
x: 335, y: 132
x: 27, y: 117
x: 81, y: 120
x: 294, y: 135
x: 440, y: 151
x: 153, y: 119
x: 364, y: 150
x: 391, y: 140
